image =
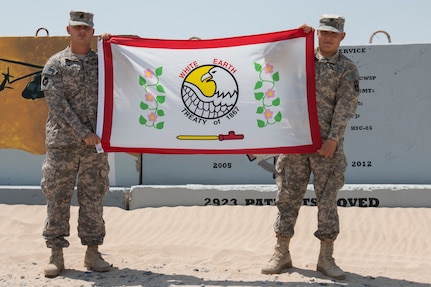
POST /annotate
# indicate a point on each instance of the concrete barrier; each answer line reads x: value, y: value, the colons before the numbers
x: 141, y: 196
x: 351, y: 195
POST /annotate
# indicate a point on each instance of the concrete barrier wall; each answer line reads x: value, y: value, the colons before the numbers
x: 142, y: 196
x: 202, y: 195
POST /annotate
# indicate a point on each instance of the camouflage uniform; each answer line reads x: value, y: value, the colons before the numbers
x: 337, y: 91
x: 70, y: 85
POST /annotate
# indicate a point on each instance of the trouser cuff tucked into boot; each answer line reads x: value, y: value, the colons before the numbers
x: 280, y: 260
x: 326, y: 263
x: 94, y: 261
x: 56, y: 263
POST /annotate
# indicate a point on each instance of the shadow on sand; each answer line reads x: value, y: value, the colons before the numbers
x: 133, y: 277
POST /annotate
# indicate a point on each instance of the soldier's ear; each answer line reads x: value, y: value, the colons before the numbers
x: 344, y: 35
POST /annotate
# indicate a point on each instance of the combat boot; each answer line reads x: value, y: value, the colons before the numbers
x: 326, y: 263
x: 280, y: 260
x: 94, y: 261
x: 56, y: 263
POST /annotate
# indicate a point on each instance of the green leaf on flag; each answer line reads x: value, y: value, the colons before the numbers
x: 260, y: 123
x: 260, y: 110
x: 278, y: 117
x: 276, y: 102
x: 257, y: 67
x: 160, y: 125
x: 143, y: 106
x: 160, y: 99
x: 160, y: 88
x: 142, y: 81
x: 276, y: 76
x: 159, y: 71
x: 258, y: 96
x: 142, y: 120
x: 258, y: 85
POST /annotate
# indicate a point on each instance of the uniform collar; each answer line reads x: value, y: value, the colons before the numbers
x: 321, y: 58
x: 73, y: 56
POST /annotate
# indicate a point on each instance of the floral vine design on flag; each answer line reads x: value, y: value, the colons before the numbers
x: 151, y: 104
x: 265, y: 94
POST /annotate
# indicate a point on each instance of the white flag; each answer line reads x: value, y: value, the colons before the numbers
x: 242, y: 95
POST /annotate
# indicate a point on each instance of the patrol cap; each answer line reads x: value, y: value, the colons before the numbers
x: 332, y: 23
x: 78, y: 18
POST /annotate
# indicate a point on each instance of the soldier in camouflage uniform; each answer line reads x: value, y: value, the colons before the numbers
x: 70, y: 86
x: 337, y: 91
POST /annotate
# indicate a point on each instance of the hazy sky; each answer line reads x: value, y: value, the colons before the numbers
x: 405, y: 21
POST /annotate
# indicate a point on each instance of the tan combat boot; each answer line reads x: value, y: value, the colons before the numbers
x: 280, y: 259
x: 94, y: 261
x: 56, y: 263
x: 326, y: 263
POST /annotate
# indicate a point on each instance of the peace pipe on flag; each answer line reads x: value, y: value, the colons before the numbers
x: 182, y: 96
x: 221, y: 137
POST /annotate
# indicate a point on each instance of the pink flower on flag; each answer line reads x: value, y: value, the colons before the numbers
x: 269, y: 68
x: 148, y: 73
x: 149, y: 97
x: 268, y: 114
x: 270, y: 93
x: 152, y: 117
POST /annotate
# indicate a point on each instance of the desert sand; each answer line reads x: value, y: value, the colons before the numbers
x: 221, y: 246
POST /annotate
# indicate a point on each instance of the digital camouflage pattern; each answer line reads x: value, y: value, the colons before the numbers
x: 332, y: 23
x: 70, y: 85
x: 337, y: 91
x: 60, y: 169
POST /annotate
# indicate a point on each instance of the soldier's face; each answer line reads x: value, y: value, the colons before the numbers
x: 80, y: 33
x: 329, y: 42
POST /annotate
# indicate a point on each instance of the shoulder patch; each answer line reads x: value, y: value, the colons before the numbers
x: 50, y: 71
x: 45, y: 83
